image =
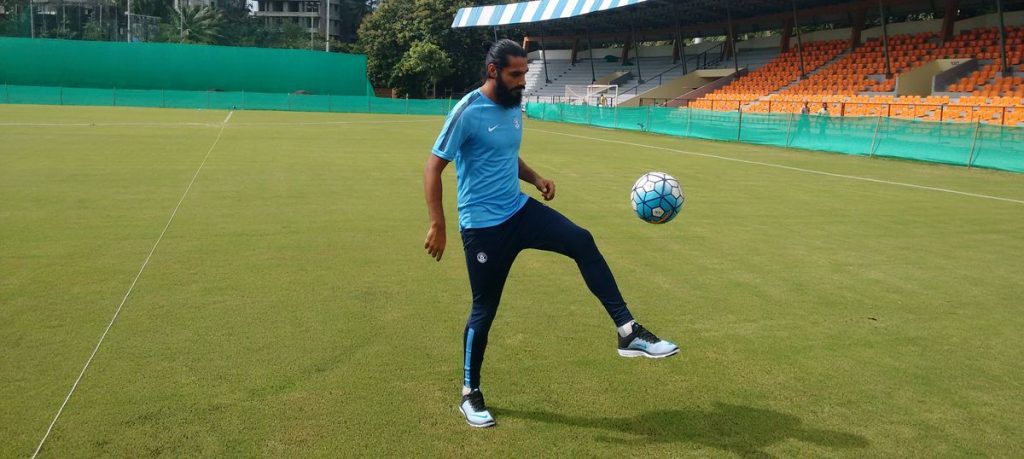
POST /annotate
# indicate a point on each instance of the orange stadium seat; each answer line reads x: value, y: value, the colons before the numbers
x: 987, y: 95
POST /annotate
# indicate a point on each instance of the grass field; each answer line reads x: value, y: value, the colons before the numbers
x: 289, y: 308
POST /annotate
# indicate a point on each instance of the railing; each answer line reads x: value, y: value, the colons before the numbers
x: 654, y: 101
x: 991, y: 114
x: 636, y: 89
x: 702, y: 91
x: 610, y: 100
x: 703, y: 56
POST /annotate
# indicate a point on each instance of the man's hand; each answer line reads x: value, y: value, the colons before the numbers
x: 546, y: 188
x: 435, y: 242
x: 432, y: 188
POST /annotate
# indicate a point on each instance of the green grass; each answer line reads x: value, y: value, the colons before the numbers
x: 290, y: 308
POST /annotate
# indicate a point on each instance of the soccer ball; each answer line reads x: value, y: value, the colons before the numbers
x: 657, y: 197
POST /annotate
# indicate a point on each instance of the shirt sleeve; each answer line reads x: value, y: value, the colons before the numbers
x: 455, y: 131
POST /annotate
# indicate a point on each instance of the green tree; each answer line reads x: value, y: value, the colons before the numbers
x: 292, y: 35
x: 391, y: 31
x: 16, y: 21
x: 159, y: 8
x: 195, y: 24
x: 350, y: 16
x: 420, y: 68
x: 93, y: 30
x: 240, y: 26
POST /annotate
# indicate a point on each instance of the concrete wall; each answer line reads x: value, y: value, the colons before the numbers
x: 934, y: 25
x: 680, y: 86
x: 918, y: 82
x: 761, y: 43
x: 607, y: 79
x: 823, y: 35
x: 599, y: 53
x: 960, y: 68
x: 1015, y: 18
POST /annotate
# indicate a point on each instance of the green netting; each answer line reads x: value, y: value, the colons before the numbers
x: 223, y: 100
x: 980, y: 145
x: 999, y: 147
x: 97, y: 64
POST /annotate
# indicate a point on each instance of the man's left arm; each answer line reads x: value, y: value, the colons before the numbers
x: 528, y: 175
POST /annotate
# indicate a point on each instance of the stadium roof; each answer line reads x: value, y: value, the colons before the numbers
x: 538, y: 10
x: 660, y: 18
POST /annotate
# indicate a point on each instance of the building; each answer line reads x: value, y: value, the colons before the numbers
x: 311, y: 16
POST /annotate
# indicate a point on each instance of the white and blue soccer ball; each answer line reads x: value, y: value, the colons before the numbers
x: 657, y: 197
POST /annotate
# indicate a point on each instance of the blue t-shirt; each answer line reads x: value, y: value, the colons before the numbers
x: 483, y: 139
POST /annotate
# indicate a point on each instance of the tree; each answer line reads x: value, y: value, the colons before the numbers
x: 195, y: 24
x: 292, y: 35
x: 15, y: 21
x: 389, y: 33
x: 421, y: 67
x: 239, y: 26
x: 93, y: 29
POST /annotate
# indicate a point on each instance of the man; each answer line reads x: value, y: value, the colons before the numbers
x: 823, y: 119
x: 482, y: 136
x: 805, y: 110
x: 602, y: 101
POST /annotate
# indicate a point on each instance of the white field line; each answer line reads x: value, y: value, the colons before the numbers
x: 127, y: 293
x: 325, y: 123
x: 193, y: 124
x: 153, y: 124
x: 791, y: 168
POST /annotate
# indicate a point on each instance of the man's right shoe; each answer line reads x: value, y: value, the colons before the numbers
x: 475, y: 411
x: 642, y: 343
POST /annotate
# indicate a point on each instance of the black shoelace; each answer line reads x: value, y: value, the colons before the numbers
x: 645, y: 335
x: 476, y: 400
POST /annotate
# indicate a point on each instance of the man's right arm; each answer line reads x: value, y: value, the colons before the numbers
x: 436, y: 234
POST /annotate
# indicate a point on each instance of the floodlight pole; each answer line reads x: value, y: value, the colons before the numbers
x: 1002, y: 39
x: 680, y: 44
x: 636, y: 48
x: 731, y: 32
x: 128, y: 35
x: 31, y: 19
x: 544, y: 57
x: 590, y: 51
x: 327, y: 29
x: 799, y: 41
x: 885, y: 39
x: 495, y: 34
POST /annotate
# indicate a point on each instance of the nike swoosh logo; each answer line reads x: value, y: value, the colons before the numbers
x: 492, y: 128
x: 481, y: 416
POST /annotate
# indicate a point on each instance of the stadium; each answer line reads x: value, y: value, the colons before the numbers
x: 211, y: 237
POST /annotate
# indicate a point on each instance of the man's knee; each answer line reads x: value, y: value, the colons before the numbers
x: 482, y: 315
x: 582, y: 244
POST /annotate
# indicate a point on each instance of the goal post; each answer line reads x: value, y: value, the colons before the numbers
x: 593, y: 94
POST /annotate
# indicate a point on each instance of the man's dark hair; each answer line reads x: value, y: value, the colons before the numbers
x: 500, y: 51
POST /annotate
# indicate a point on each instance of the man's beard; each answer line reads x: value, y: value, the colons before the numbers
x: 509, y: 98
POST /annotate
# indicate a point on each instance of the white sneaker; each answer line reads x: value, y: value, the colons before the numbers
x: 642, y: 343
x: 475, y: 411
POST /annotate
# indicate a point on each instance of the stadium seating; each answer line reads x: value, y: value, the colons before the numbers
x: 781, y: 71
x: 752, y: 59
x: 655, y: 71
x: 855, y: 84
x: 562, y: 73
